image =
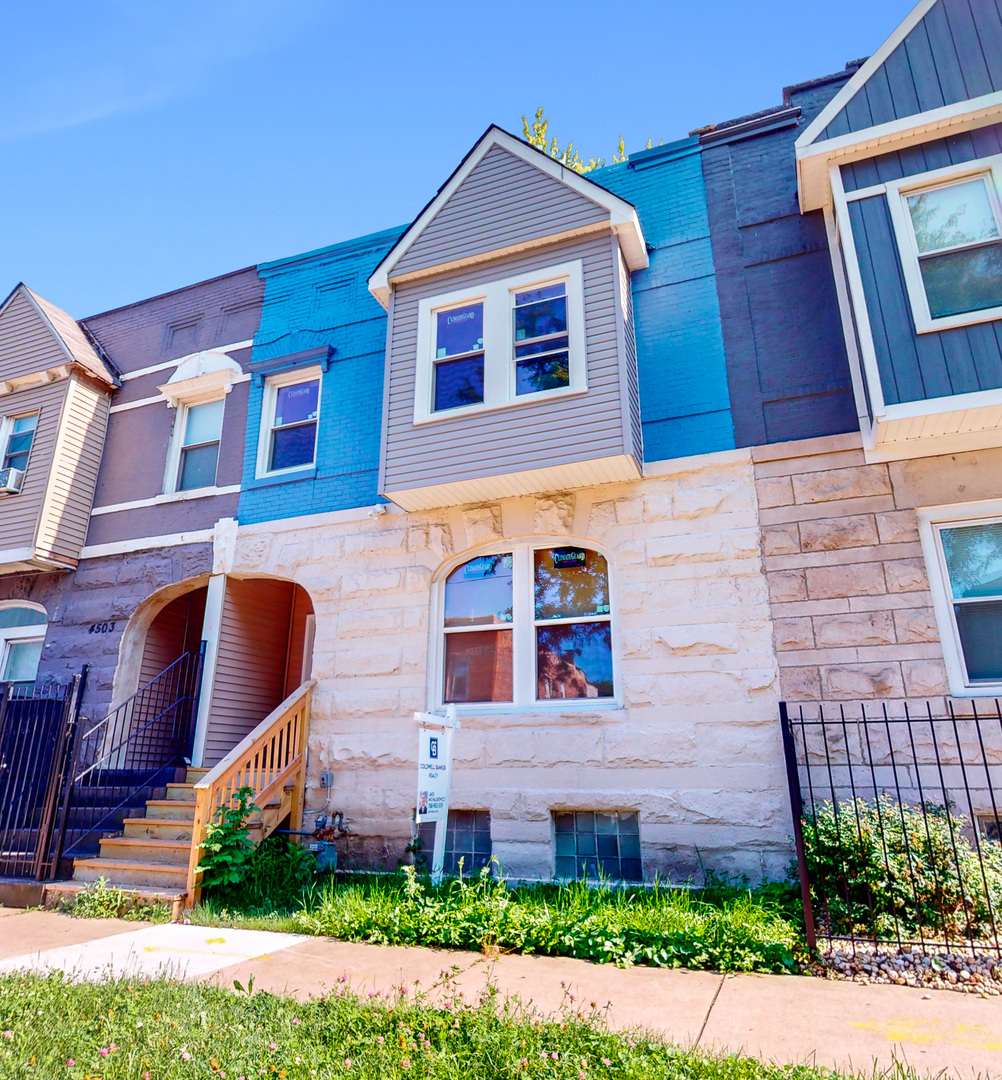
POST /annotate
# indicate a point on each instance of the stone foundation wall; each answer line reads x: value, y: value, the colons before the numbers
x: 103, y: 593
x: 847, y: 579
x: 696, y: 746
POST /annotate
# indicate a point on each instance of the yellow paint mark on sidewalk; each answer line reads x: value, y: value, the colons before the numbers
x: 215, y: 940
x: 909, y: 1029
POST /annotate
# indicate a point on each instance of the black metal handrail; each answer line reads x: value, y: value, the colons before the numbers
x: 134, y: 749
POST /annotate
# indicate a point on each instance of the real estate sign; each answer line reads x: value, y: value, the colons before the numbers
x: 435, y: 777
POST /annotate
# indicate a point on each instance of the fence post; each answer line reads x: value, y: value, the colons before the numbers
x: 797, y: 809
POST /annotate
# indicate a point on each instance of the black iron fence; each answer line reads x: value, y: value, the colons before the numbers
x: 130, y: 756
x: 37, y: 727
x: 898, y: 821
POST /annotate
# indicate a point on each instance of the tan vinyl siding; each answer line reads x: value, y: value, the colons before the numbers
x: 27, y: 343
x: 518, y: 437
x: 175, y: 630
x: 66, y: 511
x: 301, y: 609
x: 250, y: 662
x: 19, y: 513
x: 503, y: 201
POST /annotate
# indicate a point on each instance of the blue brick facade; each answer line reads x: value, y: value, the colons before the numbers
x: 684, y: 401
x: 314, y: 302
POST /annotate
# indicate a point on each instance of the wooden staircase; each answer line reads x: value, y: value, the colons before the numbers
x: 156, y: 855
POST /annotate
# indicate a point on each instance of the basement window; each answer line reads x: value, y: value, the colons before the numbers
x: 597, y: 844
x: 467, y: 837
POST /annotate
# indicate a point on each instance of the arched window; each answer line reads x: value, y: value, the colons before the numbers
x: 22, y: 633
x: 526, y: 625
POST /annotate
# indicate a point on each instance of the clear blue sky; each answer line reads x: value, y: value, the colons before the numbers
x: 147, y: 144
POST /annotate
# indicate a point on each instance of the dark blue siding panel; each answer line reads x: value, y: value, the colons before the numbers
x: 954, y: 53
x: 967, y: 146
x: 786, y: 360
x: 914, y: 367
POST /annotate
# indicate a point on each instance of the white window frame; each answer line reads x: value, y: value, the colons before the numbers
x: 499, y: 344
x: 897, y: 192
x: 7, y: 429
x: 523, y: 629
x: 172, y: 471
x: 10, y: 635
x: 931, y: 522
x: 272, y: 384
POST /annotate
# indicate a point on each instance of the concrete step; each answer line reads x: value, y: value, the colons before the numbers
x: 126, y: 874
x: 158, y: 828
x: 181, y: 792
x: 56, y: 891
x: 146, y: 850
x: 170, y: 808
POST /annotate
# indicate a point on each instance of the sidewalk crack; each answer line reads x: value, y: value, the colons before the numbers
x: 706, y: 1019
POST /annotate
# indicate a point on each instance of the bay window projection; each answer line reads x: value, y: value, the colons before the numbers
x: 528, y: 625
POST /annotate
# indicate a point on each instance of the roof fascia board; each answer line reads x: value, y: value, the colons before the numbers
x: 862, y: 75
x: 622, y: 215
x: 813, y: 160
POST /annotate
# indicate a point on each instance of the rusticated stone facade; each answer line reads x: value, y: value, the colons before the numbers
x: 847, y: 579
x: 695, y: 747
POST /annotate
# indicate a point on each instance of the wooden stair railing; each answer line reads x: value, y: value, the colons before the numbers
x: 272, y: 761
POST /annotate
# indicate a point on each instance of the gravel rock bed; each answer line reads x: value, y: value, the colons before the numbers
x: 967, y: 972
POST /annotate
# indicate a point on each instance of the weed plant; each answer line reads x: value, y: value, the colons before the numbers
x: 723, y: 929
x: 165, y: 1030
x: 99, y: 900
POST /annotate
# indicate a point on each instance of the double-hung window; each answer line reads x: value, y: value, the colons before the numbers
x: 526, y: 625
x: 501, y: 343
x: 22, y: 634
x: 199, y: 451
x: 950, y: 236
x: 966, y: 577
x: 289, y: 422
x: 18, y: 434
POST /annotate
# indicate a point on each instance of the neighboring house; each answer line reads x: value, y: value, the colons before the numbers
x: 612, y: 463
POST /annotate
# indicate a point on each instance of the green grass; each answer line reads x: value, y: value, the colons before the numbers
x: 723, y: 929
x: 163, y: 1030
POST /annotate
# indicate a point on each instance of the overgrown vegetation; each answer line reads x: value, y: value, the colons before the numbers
x: 227, y: 845
x: 886, y: 867
x: 99, y: 900
x: 726, y: 929
x: 535, y: 132
x: 164, y: 1030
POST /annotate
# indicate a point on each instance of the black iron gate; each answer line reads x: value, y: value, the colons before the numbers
x: 898, y: 823
x: 37, y: 733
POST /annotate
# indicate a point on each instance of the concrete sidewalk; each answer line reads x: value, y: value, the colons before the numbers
x: 772, y: 1017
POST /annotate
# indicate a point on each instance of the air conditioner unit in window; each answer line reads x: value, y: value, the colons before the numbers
x: 10, y: 481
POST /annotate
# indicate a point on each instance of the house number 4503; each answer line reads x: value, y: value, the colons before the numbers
x: 101, y: 628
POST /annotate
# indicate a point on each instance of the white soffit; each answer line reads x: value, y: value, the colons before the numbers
x: 623, y: 217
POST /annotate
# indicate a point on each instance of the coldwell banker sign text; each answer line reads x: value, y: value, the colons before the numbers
x: 434, y: 763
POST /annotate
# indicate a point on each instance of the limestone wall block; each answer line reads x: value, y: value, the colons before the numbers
x: 759, y: 810
x: 855, y: 482
x: 635, y: 643
x: 843, y: 682
x: 925, y: 678
x: 468, y: 749
x: 372, y: 622
x: 828, y: 534
x: 543, y: 748
x: 417, y: 579
x: 631, y: 552
x: 780, y: 539
x: 414, y: 659
x: 347, y: 702
x: 787, y: 585
x: 554, y: 514
x: 358, y: 751
x: 774, y: 491
x: 906, y: 575
x: 704, y: 547
x: 797, y: 633
x: 702, y: 501
x: 359, y: 585
x: 916, y: 624
x: 355, y: 662
x: 601, y: 517
x: 850, y: 579
x: 703, y: 639
x: 375, y: 542
x: 327, y: 549
x: 483, y: 524
x: 898, y: 527
x: 800, y: 683
x: 855, y: 628
x: 674, y: 743
x: 523, y: 861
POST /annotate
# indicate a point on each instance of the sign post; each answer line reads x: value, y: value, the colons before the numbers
x: 435, y: 778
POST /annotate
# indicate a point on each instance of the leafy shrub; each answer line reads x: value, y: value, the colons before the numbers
x: 227, y: 844
x: 885, y: 867
x: 99, y: 900
x: 277, y: 874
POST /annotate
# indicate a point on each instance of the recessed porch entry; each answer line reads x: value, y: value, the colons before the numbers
x: 259, y: 646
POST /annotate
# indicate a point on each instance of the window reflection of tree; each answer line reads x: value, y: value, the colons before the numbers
x: 572, y: 591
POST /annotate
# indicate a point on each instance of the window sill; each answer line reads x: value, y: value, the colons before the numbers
x: 564, y: 705
x: 476, y: 410
x: 926, y: 325
x: 286, y: 477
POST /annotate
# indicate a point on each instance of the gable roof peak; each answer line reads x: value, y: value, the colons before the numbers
x: 623, y: 217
